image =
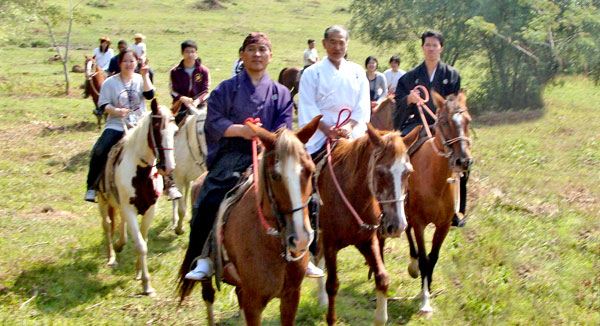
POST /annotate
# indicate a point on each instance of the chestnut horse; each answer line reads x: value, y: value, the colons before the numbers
x: 264, y: 262
x: 131, y: 184
x: 382, y: 116
x: 433, y: 187
x: 372, y: 171
x: 94, y: 76
x: 290, y: 78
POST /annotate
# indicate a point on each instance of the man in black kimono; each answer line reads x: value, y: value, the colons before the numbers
x: 434, y: 75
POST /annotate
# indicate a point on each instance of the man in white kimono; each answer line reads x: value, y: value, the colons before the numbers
x: 327, y: 87
x: 330, y: 85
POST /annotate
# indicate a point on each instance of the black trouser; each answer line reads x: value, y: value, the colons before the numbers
x: 314, y: 205
x: 224, y: 173
x: 99, y: 155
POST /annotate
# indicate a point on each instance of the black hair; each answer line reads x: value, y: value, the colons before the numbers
x: 122, y: 42
x: 310, y: 40
x: 432, y: 33
x: 124, y: 52
x: 369, y: 58
x: 395, y: 58
x: 189, y: 44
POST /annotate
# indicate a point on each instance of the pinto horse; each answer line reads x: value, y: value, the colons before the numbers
x: 190, y: 155
x: 132, y: 183
x: 268, y: 232
x: 94, y: 76
x: 382, y: 116
x: 373, y: 170
x: 290, y: 78
x: 433, y: 187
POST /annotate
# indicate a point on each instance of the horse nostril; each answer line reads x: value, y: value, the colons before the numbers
x: 390, y: 229
x: 291, y: 241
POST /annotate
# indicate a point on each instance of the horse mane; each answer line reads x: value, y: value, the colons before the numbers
x: 288, y: 145
x: 351, y: 156
x: 143, y: 125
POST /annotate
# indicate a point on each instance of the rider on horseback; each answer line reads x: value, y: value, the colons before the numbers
x: 434, y: 75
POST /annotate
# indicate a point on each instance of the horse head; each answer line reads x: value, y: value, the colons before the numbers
x: 388, y: 171
x: 90, y: 66
x: 161, y: 137
x: 452, y: 125
x: 286, y: 179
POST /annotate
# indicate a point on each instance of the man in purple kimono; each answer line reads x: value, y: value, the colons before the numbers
x: 249, y: 94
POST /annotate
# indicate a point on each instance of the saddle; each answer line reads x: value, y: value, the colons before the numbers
x: 224, y: 269
x: 422, y: 138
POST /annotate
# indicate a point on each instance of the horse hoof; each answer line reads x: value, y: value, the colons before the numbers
x: 112, y: 263
x: 150, y: 292
x: 118, y: 247
x: 426, y: 311
x: 179, y: 231
x: 413, y: 269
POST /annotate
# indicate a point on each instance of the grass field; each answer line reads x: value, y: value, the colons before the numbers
x: 530, y: 254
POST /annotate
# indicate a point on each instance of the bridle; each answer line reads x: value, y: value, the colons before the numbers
x: 91, y: 76
x: 275, y: 210
x: 152, y: 139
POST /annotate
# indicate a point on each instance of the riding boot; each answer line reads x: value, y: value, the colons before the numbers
x: 313, y: 216
x: 85, y: 89
x: 460, y: 220
x: 170, y: 188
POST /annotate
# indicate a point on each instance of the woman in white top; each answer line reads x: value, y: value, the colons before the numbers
x: 377, y: 83
x: 103, y: 54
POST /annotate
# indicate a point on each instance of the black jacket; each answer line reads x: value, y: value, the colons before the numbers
x: 446, y: 81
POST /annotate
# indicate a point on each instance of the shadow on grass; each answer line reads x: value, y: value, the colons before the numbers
x: 77, y: 162
x: 80, y: 126
x: 507, y: 118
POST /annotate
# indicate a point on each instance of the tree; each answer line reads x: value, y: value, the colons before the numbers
x: 525, y: 43
x: 50, y: 15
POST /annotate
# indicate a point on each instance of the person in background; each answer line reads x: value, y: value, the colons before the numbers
x: 377, y: 84
x: 238, y: 65
x: 113, y: 67
x: 139, y: 47
x: 103, y: 53
x: 310, y: 55
x: 393, y: 74
x: 122, y: 98
x: 434, y: 75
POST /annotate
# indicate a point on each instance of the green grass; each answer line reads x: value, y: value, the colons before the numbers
x: 528, y: 256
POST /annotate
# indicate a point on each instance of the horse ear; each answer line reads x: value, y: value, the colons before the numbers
x: 266, y: 138
x: 412, y: 136
x: 438, y: 100
x: 374, y: 136
x: 176, y: 107
x: 309, y: 130
x: 154, y: 106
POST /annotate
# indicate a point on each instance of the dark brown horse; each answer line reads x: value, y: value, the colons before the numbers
x: 433, y: 187
x: 382, y: 116
x: 290, y: 78
x: 372, y: 171
x: 94, y: 76
x: 263, y: 266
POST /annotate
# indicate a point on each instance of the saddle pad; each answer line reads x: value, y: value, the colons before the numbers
x: 420, y: 141
x: 107, y: 177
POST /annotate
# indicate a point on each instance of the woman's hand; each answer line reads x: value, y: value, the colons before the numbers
x: 119, y: 112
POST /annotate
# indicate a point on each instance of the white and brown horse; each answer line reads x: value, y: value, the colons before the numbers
x: 190, y: 155
x: 132, y: 183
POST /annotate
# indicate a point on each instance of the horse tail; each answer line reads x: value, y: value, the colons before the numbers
x: 185, y: 286
x: 280, y: 79
x: 111, y: 215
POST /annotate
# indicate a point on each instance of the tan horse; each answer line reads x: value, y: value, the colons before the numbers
x: 94, y: 76
x: 132, y: 184
x: 372, y: 171
x: 264, y: 266
x: 382, y: 116
x: 433, y: 187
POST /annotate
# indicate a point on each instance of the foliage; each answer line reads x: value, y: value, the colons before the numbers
x: 526, y: 43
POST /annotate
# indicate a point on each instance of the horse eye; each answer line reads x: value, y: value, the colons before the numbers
x: 275, y: 176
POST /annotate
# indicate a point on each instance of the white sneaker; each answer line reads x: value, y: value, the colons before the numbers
x: 203, y: 270
x: 314, y: 271
x: 174, y: 193
x: 90, y: 196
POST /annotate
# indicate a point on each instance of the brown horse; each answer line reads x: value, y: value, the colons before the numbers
x: 433, y: 187
x: 260, y: 264
x: 290, y: 78
x: 372, y: 171
x: 382, y: 116
x: 94, y: 77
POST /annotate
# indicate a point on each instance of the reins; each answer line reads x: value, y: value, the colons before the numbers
x: 362, y: 224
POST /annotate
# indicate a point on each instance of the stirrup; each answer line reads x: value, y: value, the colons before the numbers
x: 459, y: 220
x: 203, y: 270
x: 313, y: 271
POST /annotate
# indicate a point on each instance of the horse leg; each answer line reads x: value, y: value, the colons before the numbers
x: 141, y: 246
x: 252, y: 306
x: 181, y: 208
x: 413, y: 267
x: 122, y: 234
x: 424, y: 269
x: 371, y: 251
x: 332, y: 284
x: 208, y: 295
x: 288, y: 307
x: 322, y: 296
x: 438, y: 238
x: 107, y: 225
